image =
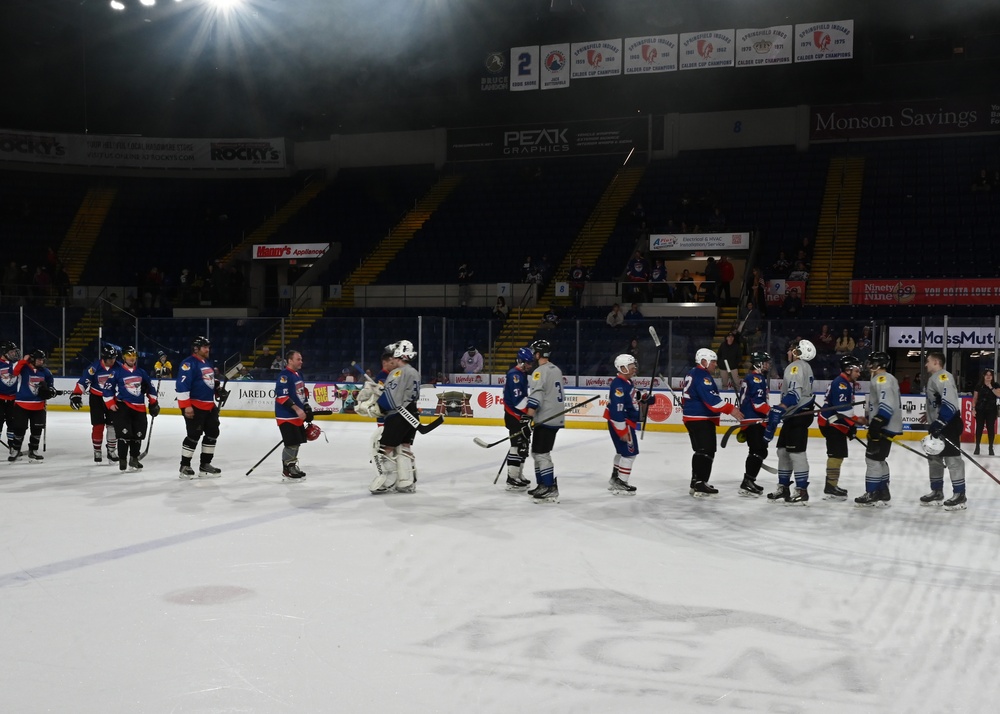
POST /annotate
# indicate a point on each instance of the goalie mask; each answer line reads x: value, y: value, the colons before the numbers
x: 404, y: 350
x: 313, y: 432
x: 932, y: 445
x: 804, y: 350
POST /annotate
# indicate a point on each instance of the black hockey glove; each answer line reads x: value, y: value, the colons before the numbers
x: 526, y: 428
x: 47, y: 392
x: 76, y: 401
x: 221, y: 395
x: 154, y: 409
x: 936, y: 427
x: 309, y: 413
x: 876, y: 425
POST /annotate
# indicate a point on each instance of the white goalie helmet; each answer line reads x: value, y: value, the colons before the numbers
x: 932, y: 445
x: 705, y: 354
x: 623, y: 362
x: 404, y: 350
x: 806, y: 350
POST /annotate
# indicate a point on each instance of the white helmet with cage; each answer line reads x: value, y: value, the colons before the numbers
x: 624, y: 361
x: 705, y: 354
x: 806, y: 350
x: 932, y: 445
x: 404, y: 350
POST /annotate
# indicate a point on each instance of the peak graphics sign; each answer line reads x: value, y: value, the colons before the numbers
x: 532, y: 141
x: 290, y: 251
x: 963, y: 338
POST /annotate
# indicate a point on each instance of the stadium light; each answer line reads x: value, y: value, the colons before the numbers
x: 148, y: 3
x: 117, y: 5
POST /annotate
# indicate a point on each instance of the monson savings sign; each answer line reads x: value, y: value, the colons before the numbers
x: 289, y: 251
x: 889, y: 119
x: 934, y: 337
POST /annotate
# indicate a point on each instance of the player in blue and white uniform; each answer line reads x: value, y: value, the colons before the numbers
x: 101, y: 419
x: 9, y: 354
x: 125, y: 394
x: 35, y: 385
x: 622, y: 414
x: 838, y: 424
x: 292, y: 412
x: 197, y: 391
x: 702, y: 407
x: 796, y: 396
x: 755, y: 405
x: 515, y: 402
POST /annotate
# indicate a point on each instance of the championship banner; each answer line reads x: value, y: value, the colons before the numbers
x: 493, y: 75
x: 764, y: 46
x: 646, y: 55
x: 820, y: 41
x: 890, y: 119
x: 699, y: 241
x: 289, y: 251
x: 142, y: 152
x: 602, y: 58
x: 972, y: 291
x: 523, y: 68
x: 555, y: 66
x: 702, y: 50
x: 585, y: 138
x: 963, y: 338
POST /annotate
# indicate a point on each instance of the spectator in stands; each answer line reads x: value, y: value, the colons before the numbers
x: 803, y: 257
x: 264, y: 360
x: 781, y: 266
x: 528, y: 269
x: 42, y: 283
x: 711, y: 281
x: 749, y: 320
x: 163, y: 368
x: 633, y: 314
x: 637, y: 274
x: 727, y: 274
x: 730, y: 355
x: 982, y: 181
x: 758, y: 291
x: 800, y: 272
x: 578, y: 277
x: 550, y: 319
x: 464, y: 289
x: 500, y: 310
x: 863, y: 345
x: 917, y: 386
x: 686, y: 289
x: 659, y: 287
x: 278, y: 363
x: 542, y: 268
x: 242, y: 375
x: 845, y: 343
x: 905, y: 387
x: 717, y: 221
x: 615, y: 318
x: 9, y: 286
x: 471, y: 361
x: 825, y: 342
x: 792, y: 305
x: 633, y: 348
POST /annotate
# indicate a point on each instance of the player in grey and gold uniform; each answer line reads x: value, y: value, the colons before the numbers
x: 796, y: 396
x: 397, y: 470
x: 944, y: 419
x: 884, y: 415
x: 545, y: 401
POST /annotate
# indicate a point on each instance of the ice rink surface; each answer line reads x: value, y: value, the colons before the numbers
x: 140, y: 592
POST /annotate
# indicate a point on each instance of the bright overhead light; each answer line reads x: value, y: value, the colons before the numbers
x: 117, y: 5
x: 148, y: 3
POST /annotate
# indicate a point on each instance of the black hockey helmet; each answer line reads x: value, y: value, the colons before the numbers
x: 849, y: 362
x: 199, y: 342
x: 542, y: 348
x: 36, y: 355
x: 109, y: 352
x: 129, y: 350
x: 879, y: 360
x: 757, y: 359
x: 7, y: 346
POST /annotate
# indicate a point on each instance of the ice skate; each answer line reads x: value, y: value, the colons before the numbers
x: 112, y: 454
x: 934, y: 498
x: 208, y: 471
x: 536, y: 489
x: 546, y: 494
x: 292, y: 472
x: 869, y: 499
x: 701, y: 489
x: 122, y: 466
x: 411, y: 488
x: 956, y: 503
x: 517, y: 484
x: 780, y: 495
x: 800, y: 497
x: 619, y: 487
x: 832, y: 492
x: 186, y: 471
x: 98, y: 456
x: 34, y: 457
x: 750, y: 488
x: 134, y: 463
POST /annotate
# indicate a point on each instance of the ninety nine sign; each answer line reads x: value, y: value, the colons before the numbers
x: 289, y: 251
x: 972, y: 291
x: 699, y: 241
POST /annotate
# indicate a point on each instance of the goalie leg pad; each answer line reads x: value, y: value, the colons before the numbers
x: 406, y: 467
x: 376, y: 441
x: 386, y: 474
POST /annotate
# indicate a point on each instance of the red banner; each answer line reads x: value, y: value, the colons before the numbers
x: 984, y: 291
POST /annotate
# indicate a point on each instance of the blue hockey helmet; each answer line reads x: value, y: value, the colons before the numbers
x: 525, y: 356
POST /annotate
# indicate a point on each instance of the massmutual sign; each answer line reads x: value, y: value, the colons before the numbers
x: 934, y: 337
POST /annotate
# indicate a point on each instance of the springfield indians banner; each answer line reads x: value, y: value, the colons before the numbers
x: 142, y: 152
x: 555, y: 66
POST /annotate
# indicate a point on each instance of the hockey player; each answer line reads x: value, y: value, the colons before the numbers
x: 368, y: 395
x: 754, y: 404
x: 796, y: 395
x: 92, y: 383
x: 35, y: 386
x: 545, y: 401
x: 395, y: 464
x: 197, y: 392
x: 702, y: 405
x: 515, y: 402
x: 125, y: 394
x: 8, y: 386
x: 837, y: 423
x: 884, y: 416
x: 944, y: 417
x: 292, y: 412
x: 622, y: 414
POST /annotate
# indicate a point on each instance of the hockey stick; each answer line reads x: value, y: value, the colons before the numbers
x: 273, y: 449
x: 152, y: 420
x: 791, y: 412
x: 903, y: 445
x: 652, y: 378
x: 415, y: 422
x: 963, y: 453
x: 500, y: 471
x: 490, y: 445
x: 769, y: 469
